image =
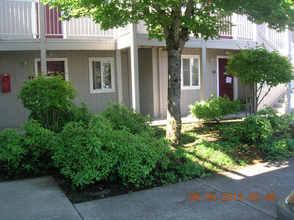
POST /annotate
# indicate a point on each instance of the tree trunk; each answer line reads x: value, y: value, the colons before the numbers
x: 174, y: 122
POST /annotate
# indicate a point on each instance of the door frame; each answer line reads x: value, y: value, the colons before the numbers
x: 36, y: 60
x: 235, y: 86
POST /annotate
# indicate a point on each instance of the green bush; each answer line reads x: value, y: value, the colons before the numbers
x: 253, y: 130
x: 278, y: 123
x: 76, y: 114
x: 214, y: 108
x: 277, y: 148
x: 12, y: 150
x: 123, y: 118
x: 25, y: 152
x: 98, y: 152
x: 37, y: 141
x: 47, y: 98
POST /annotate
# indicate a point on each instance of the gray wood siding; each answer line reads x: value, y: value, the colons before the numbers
x: 146, y: 82
x: 12, y: 111
x: 126, y: 79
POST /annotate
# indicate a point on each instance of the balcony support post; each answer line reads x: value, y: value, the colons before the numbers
x: 204, y: 79
x: 135, y: 68
x: 42, y: 37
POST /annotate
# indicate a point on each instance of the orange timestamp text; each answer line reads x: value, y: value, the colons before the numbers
x: 232, y: 196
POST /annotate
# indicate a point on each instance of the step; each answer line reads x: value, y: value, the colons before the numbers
x: 279, y: 110
x: 279, y: 105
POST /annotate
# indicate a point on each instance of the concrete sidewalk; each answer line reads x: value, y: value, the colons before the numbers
x: 41, y: 198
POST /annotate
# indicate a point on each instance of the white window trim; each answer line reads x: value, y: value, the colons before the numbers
x: 111, y: 59
x: 36, y: 60
x: 182, y: 72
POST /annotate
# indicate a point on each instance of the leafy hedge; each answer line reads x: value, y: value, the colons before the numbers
x: 214, y: 108
x: 123, y: 118
x: 25, y: 153
x: 100, y: 152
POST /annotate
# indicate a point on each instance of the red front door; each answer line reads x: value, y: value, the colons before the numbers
x: 53, y: 68
x: 226, y: 82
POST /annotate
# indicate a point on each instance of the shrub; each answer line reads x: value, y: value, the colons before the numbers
x: 12, y: 150
x: 253, y: 130
x: 276, y: 148
x: 24, y: 153
x: 99, y: 152
x: 214, y: 108
x: 278, y: 123
x: 76, y: 114
x: 37, y: 141
x: 46, y: 98
x: 123, y: 118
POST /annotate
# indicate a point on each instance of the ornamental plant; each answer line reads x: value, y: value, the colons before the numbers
x: 257, y: 68
x: 46, y: 98
x: 214, y: 108
x: 99, y: 152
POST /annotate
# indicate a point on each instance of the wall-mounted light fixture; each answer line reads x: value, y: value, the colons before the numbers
x: 211, y: 60
x: 50, y: 53
x: 25, y: 63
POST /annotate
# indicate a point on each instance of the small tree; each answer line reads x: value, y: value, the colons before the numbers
x: 46, y: 97
x: 256, y: 67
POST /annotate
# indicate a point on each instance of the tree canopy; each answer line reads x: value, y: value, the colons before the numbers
x: 257, y: 66
x: 174, y: 21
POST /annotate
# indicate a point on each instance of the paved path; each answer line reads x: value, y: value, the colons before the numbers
x: 41, y: 198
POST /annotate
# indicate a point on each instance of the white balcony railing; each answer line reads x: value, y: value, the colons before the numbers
x: 20, y: 19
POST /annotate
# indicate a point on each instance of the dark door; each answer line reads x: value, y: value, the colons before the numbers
x: 226, y: 82
x: 53, y: 26
x: 53, y: 68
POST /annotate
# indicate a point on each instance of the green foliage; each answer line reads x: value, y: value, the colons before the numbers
x: 123, y: 118
x: 214, y: 108
x: 12, y: 150
x: 47, y: 98
x: 25, y: 153
x: 256, y: 65
x: 162, y: 16
x: 278, y: 123
x: 74, y: 113
x: 277, y: 148
x: 253, y: 130
x: 99, y: 152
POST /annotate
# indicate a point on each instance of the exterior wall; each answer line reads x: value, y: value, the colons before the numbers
x: 13, y: 113
x: 126, y: 79
x: 146, y: 82
x: 273, y: 95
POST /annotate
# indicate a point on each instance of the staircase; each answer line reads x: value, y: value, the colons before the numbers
x: 280, y: 105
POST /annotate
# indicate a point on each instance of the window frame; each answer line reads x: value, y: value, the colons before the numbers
x: 191, y: 57
x: 101, y: 59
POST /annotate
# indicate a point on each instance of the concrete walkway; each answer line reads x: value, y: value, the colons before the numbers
x: 41, y: 198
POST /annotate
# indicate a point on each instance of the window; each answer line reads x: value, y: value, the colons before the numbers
x: 190, y: 72
x: 101, y: 74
